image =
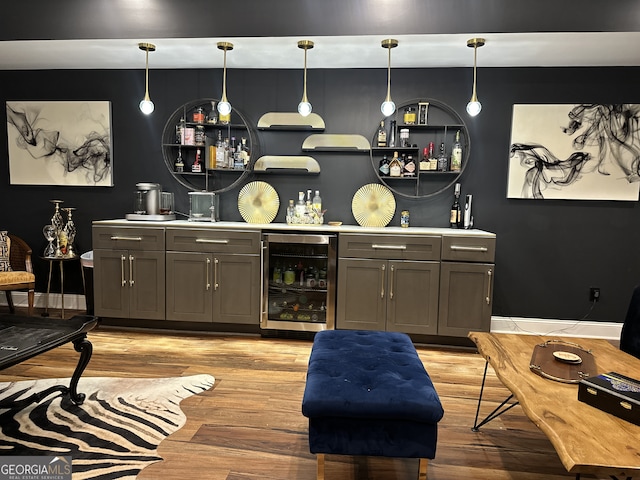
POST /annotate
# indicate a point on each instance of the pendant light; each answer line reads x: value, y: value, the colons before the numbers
x: 224, y: 107
x: 388, y: 107
x: 146, y: 105
x: 304, y: 107
x: 474, y: 106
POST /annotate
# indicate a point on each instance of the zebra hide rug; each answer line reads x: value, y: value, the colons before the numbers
x: 114, y: 434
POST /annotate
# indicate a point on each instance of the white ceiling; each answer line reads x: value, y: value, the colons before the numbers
x: 413, y: 51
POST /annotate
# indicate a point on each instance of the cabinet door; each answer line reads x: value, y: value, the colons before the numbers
x: 465, y: 298
x: 362, y: 294
x: 236, y: 289
x: 412, y: 302
x: 111, y: 283
x: 189, y: 286
x: 146, y: 282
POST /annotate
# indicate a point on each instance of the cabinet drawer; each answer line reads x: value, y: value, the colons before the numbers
x: 128, y: 238
x: 392, y: 247
x: 209, y: 240
x: 469, y: 249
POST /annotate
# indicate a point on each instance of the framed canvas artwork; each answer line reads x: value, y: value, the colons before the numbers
x: 60, y: 143
x: 575, y: 152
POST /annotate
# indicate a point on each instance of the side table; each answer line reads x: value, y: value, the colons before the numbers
x: 60, y: 261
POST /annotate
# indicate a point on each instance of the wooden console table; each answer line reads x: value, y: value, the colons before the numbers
x: 24, y: 337
x: 588, y: 440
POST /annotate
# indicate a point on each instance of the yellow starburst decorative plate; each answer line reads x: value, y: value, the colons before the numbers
x: 258, y: 202
x: 373, y: 205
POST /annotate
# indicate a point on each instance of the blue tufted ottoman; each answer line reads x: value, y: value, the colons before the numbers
x: 367, y: 393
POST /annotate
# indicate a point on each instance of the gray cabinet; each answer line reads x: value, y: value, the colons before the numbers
x: 466, y: 285
x: 388, y: 282
x: 213, y: 276
x: 129, y: 272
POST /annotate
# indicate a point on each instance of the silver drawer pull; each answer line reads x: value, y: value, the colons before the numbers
x: 209, y: 240
x: 133, y: 239
x: 462, y: 248
x: 389, y: 247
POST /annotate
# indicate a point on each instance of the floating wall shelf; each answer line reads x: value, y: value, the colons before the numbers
x: 290, y: 121
x: 286, y: 164
x: 336, y: 142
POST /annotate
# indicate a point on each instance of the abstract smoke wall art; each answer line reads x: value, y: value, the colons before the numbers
x: 60, y: 143
x: 575, y: 151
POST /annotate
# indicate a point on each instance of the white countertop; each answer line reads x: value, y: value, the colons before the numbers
x: 297, y: 228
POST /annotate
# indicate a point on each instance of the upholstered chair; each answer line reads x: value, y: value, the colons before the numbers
x: 16, y: 270
x: 630, y: 336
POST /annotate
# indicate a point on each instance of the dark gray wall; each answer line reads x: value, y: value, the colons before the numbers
x: 549, y: 252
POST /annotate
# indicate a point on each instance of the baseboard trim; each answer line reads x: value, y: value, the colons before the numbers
x: 71, y: 301
x: 564, y: 328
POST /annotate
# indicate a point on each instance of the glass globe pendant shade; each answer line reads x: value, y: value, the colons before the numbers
x: 146, y: 106
x: 474, y: 108
x: 224, y: 107
x: 387, y: 108
x: 304, y: 108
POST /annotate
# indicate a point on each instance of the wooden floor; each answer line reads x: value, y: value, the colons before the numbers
x: 250, y: 426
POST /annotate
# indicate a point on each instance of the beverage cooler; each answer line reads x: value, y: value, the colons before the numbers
x: 299, y: 282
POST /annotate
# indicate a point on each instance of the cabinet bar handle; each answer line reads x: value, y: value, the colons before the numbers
x: 489, y: 273
x: 389, y: 247
x: 132, y: 239
x: 208, y: 266
x: 382, y: 269
x: 465, y: 248
x: 210, y: 240
x: 131, y: 280
x: 122, y: 280
x: 215, y: 273
x: 391, y: 283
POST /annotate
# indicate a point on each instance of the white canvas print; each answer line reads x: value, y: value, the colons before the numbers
x: 576, y: 152
x: 60, y: 143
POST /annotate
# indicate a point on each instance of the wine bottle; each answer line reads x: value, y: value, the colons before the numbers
x: 433, y: 161
x: 424, y: 161
x: 382, y: 135
x: 456, y: 154
x: 456, y: 212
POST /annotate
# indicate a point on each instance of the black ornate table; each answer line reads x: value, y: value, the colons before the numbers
x: 22, y: 338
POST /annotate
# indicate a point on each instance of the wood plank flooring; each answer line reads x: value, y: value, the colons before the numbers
x: 250, y: 425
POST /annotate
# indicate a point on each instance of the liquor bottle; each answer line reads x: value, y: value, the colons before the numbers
x: 196, y: 167
x: 384, y: 166
x: 455, y: 218
x: 300, y: 207
x: 409, y: 169
x: 395, y: 169
x: 289, y: 276
x: 382, y: 135
x: 391, y: 137
x: 245, y: 151
x: 180, y: 132
x: 317, y: 203
x: 456, y: 154
x: 219, y: 151
x: 179, y: 162
x: 424, y: 161
x: 443, y: 161
x: 291, y: 212
x: 433, y: 161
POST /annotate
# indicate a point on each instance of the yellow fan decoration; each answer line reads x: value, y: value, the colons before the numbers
x: 258, y: 202
x: 373, y: 205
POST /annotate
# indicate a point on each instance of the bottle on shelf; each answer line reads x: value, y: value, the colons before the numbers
x: 455, y: 218
x: 317, y: 202
x: 300, y: 206
x: 244, y: 151
x: 197, y: 167
x: 179, y: 163
x: 424, y: 161
x: 409, y: 169
x: 391, y: 137
x: 433, y: 161
x: 289, y: 275
x: 456, y: 154
x: 219, y: 151
x: 212, y: 118
x: 383, y: 168
x: 213, y: 154
x: 443, y: 161
x: 180, y: 132
x: 382, y: 135
x: 395, y: 169
x: 227, y: 154
x: 291, y: 212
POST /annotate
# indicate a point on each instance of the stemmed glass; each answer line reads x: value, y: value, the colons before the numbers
x: 49, y: 233
x: 70, y: 231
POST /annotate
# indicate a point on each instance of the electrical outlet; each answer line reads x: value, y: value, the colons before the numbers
x: 594, y: 294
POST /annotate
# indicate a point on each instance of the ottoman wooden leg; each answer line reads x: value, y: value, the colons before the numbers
x: 422, y: 469
x: 320, y: 457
